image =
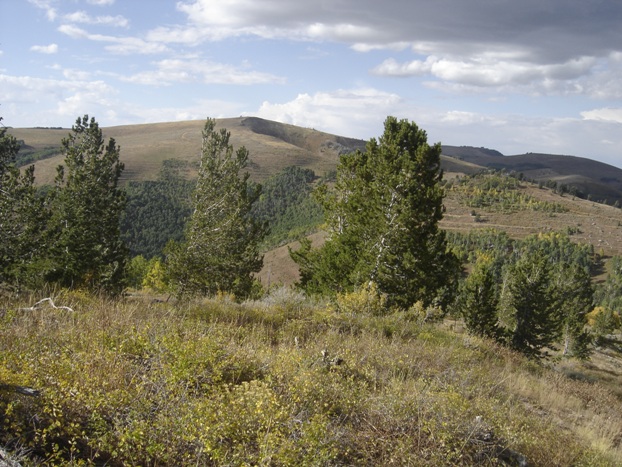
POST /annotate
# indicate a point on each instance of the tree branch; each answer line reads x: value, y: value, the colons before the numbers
x: 34, y: 307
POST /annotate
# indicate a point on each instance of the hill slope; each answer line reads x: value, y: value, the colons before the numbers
x: 272, y: 146
x: 601, y: 181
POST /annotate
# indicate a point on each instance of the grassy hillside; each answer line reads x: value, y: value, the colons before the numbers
x: 272, y: 146
x: 282, y: 381
x: 289, y: 381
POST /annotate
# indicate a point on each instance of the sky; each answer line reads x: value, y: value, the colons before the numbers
x: 541, y: 76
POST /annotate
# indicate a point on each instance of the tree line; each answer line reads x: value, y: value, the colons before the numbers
x: 381, y: 217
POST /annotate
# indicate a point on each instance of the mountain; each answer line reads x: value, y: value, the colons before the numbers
x: 274, y: 145
x: 599, y: 180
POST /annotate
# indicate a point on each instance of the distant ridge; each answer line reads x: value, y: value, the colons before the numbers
x: 273, y: 146
x: 603, y: 182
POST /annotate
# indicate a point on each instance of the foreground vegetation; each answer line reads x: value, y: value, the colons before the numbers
x: 365, y: 374
x: 282, y: 381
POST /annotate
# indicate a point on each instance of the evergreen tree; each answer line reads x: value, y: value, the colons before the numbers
x: 609, y: 293
x: 87, y: 206
x: 383, y: 222
x: 220, y: 251
x: 478, y: 301
x: 22, y: 219
x: 536, y: 321
x: 574, y: 296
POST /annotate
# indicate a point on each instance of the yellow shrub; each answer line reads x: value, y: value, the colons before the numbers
x: 367, y: 299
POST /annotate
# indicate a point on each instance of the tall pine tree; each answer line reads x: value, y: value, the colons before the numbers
x: 220, y: 250
x: 383, y: 222
x: 87, y: 207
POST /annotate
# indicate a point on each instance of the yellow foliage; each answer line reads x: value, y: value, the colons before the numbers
x: 593, y: 315
x: 367, y: 299
x: 156, y: 277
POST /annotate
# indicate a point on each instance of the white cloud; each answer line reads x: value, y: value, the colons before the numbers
x: 171, y: 71
x: 533, y: 46
x: 119, y: 45
x: 85, y: 18
x: 100, y: 2
x: 59, y: 100
x: 603, y: 115
x: 538, y: 27
x: 354, y: 113
x: 45, y: 49
x: 46, y: 5
x: 488, y: 71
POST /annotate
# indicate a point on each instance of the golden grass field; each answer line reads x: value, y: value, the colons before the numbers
x: 145, y: 147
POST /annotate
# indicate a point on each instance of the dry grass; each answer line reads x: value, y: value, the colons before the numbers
x: 145, y: 147
x: 283, y: 381
x: 598, y: 224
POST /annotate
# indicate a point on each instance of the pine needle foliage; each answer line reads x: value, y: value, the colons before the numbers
x: 87, y: 206
x: 220, y: 251
x: 382, y: 219
x: 22, y: 217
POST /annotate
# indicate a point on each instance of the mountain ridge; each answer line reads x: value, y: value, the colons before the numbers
x: 273, y: 145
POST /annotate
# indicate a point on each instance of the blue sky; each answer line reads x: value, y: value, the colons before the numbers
x: 528, y: 76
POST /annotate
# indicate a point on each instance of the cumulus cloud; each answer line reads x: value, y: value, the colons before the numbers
x: 64, y: 99
x: 478, y: 43
x: 45, y: 49
x: 487, y: 71
x: 100, y: 2
x: 348, y: 112
x: 451, y: 24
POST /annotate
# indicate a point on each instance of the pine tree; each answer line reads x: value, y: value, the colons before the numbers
x: 574, y: 296
x: 532, y: 306
x: 478, y: 301
x: 383, y: 222
x: 22, y: 219
x: 87, y: 207
x: 220, y: 251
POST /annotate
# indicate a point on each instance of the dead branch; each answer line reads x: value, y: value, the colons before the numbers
x: 49, y: 300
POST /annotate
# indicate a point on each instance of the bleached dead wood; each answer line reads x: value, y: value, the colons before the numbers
x: 49, y: 300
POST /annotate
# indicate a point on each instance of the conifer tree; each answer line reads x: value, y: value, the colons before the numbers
x: 574, y: 296
x: 478, y: 301
x: 22, y: 219
x: 536, y: 321
x: 220, y: 251
x: 87, y: 207
x: 383, y: 222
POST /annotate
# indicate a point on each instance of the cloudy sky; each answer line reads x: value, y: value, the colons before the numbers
x: 516, y: 76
